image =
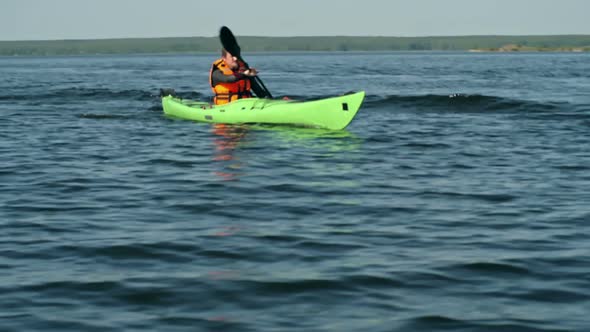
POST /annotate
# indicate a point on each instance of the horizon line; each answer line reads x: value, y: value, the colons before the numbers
x: 303, y: 36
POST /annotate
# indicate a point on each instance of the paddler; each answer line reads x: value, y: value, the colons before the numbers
x: 229, y: 79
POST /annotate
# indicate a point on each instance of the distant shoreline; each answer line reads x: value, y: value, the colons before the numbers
x: 523, y: 48
x: 550, y: 43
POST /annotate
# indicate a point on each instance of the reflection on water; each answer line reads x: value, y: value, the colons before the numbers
x: 314, y: 138
x: 226, y: 139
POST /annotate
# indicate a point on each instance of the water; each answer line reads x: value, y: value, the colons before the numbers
x: 456, y: 200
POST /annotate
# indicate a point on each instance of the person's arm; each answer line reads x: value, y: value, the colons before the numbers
x: 218, y: 77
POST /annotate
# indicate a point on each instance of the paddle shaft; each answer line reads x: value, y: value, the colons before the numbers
x: 257, y: 83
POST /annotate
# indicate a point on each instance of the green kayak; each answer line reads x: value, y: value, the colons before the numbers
x: 330, y: 113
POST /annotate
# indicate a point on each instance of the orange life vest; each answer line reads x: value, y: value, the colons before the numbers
x: 228, y: 92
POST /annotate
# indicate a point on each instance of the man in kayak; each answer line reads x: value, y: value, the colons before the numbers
x: 229, y: 79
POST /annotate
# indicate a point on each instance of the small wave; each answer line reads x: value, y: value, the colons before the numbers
x: 104, y: 116
x: 156, y: 108
x: 160, y: 250
x: 490, y: 268
x: 70, y: 94
x: 101, y: 94
x: 344, y: 284
x: 458, y: 103
x: 445, y: 323
x: 572, y: 167
x: 428, y: 279
x: 424, y: 146
x: 493, y: 198
x: 437, y: 320
x: 75, y: 286
x: 327, y: 247
x: 553, y: 296
x: 172, y: 162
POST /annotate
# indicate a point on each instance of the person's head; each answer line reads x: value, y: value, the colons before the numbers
x: 230, y: 60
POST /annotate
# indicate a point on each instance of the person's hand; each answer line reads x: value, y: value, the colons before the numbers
x: 251, y: 72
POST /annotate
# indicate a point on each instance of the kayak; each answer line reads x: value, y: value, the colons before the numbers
x: 331, y: 113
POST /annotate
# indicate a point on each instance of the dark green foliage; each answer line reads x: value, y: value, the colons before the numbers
x: 268, y: 44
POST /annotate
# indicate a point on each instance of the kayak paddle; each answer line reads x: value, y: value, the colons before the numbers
x: 229, y: 42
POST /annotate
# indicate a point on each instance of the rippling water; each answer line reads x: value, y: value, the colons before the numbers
x: 456, y: 200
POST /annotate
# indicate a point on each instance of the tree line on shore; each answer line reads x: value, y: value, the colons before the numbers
x: 286, y: 44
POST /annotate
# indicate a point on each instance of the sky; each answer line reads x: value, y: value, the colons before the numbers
x: 91, y: 19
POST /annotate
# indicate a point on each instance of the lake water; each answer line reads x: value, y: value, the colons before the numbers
x: 457, y: 200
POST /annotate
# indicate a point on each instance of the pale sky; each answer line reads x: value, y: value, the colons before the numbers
x: 89, y: 19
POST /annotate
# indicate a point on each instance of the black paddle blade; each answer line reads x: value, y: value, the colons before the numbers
x: 229, y: 42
